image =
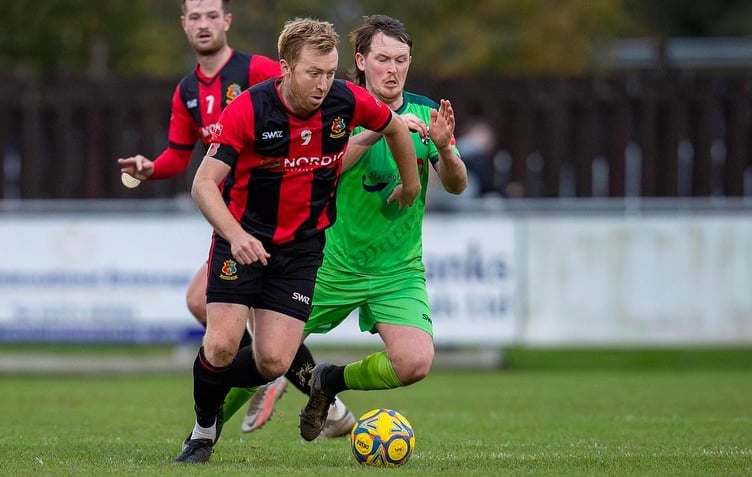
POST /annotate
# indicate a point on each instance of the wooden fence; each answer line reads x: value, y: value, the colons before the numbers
x: 642, y: 134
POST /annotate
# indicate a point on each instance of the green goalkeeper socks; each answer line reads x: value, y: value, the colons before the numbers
x: 235, y: 399
x: 375, y: 371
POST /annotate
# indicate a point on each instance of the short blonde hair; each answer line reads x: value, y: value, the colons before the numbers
x: 300, y: 32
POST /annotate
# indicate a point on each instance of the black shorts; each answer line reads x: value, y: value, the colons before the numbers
x: 284, y: 285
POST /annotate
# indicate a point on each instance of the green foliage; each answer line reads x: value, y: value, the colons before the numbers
x: 699, y: 18
x: 549, y: 423
x: 136, y: 38
x: 77, y: 37
x: 519, y: 36
x: 486, y: 36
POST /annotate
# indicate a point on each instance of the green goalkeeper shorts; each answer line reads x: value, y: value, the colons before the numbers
x: 397, y: 299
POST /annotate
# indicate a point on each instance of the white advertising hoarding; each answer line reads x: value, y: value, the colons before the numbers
x: 638, y: 281
x: 122, y: 277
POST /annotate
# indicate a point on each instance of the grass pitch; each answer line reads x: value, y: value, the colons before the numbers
x: 550, y: 414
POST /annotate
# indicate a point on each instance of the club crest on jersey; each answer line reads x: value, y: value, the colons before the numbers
x: 421, y: 165
x: 229, y: 270
x: 192, y: 103
x: 232, y: 92
x: 338, y: 128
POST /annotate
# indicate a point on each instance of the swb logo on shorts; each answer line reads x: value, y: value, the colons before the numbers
x: 301, y: 298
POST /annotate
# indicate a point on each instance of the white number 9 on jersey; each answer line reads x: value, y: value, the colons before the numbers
x: 305, y: 136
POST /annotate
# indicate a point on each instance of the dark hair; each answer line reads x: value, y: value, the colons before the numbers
x: 225, y: 6
x: 361, y: 38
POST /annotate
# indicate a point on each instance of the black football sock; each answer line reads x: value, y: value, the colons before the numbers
x: 243, y: 372
x: 333, y: 381
x: 246, y: 340
x: 300, y: 370
x: 209, y: 389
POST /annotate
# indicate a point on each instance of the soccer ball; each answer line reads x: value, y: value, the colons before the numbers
x: 382, y: 438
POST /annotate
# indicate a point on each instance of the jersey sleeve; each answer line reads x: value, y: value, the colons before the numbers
x: 181, y: 136
x: 261, y: 68
x: 182, y: 133
x: 369, y: 112
x: 234, y: 130
x: 171, y: 162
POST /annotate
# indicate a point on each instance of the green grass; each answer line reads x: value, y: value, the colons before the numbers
x: 631, y: 417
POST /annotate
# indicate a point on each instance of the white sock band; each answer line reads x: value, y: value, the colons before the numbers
x: 204, y: 432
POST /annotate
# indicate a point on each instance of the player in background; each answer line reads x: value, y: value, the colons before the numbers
x: 267, y: 185
x: 221, y: 74
x: 373, y: 254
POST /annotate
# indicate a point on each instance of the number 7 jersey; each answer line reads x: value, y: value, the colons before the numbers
x: 199, y: 100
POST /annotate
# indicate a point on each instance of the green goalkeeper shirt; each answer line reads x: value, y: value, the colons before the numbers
x: 370, y: 236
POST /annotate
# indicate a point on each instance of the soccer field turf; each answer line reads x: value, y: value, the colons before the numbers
x: 618, y: 419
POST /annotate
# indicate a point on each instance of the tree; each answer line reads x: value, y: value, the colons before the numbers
x: 82, y: 38
x: 699, y: 18
x: 531, y: 37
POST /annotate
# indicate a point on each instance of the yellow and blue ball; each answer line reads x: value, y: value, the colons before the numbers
x: 382, y: 438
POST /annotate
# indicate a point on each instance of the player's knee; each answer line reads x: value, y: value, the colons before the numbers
x: 413, y: 366
x: 271, y: 367
x: 219, y: 353
x: 421, y: 366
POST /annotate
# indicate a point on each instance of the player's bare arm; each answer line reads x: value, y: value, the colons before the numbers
x: 451, y: 169
x: 206, y: 193
x: 398, y: 138
x: 360, y: 143
x: 357, y: 146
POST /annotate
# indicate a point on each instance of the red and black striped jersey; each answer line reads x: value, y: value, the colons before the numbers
x: 198, y: 101
x: 284, y: 168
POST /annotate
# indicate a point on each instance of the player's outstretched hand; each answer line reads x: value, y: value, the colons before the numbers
x: 415, y: 124
x: 136, y: 166
x: 405, y: 197
x: 442, y: 123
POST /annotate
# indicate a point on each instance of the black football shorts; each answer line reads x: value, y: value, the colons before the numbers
x: 284, y: 285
